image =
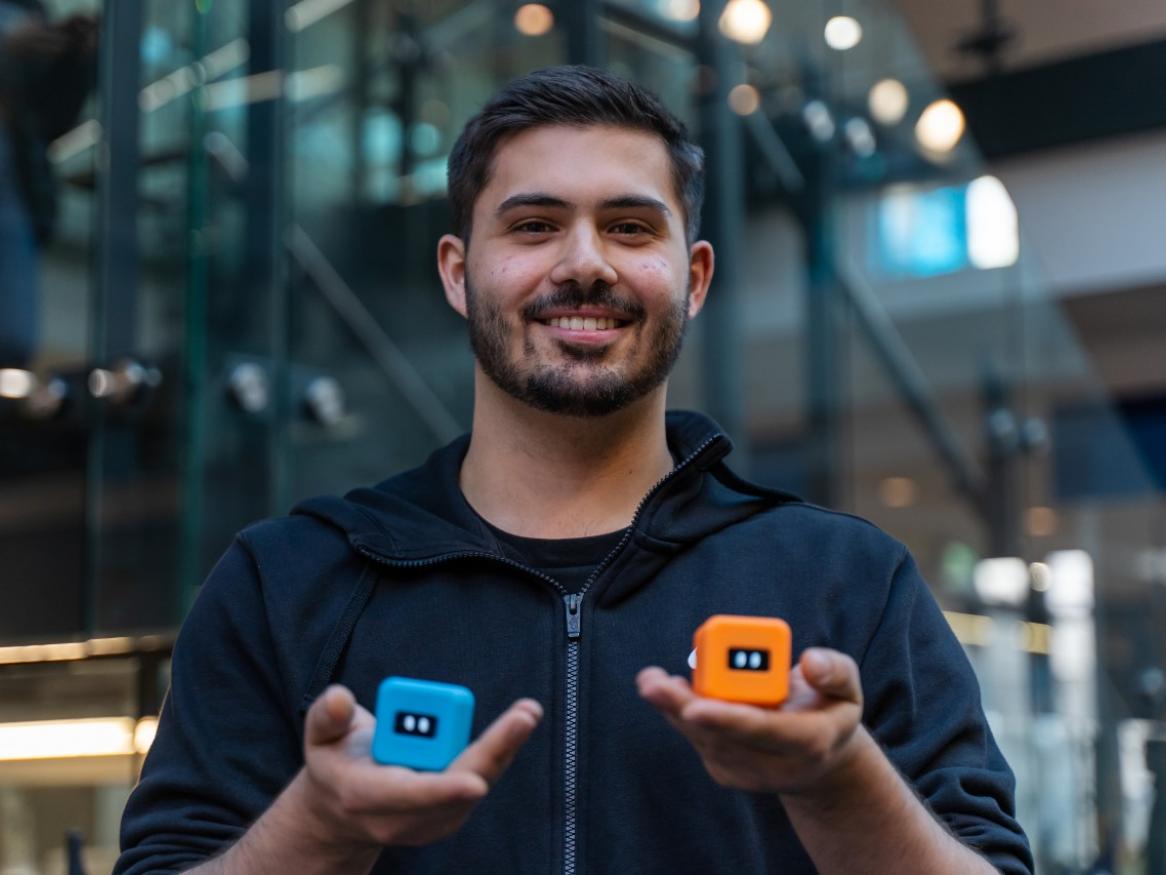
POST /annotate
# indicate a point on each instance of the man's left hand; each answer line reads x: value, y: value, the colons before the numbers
x: 802, y: 746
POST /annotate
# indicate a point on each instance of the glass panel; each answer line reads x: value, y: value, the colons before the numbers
x: 83, y: 704
x: 48, y: 126
x: 380, y: 368
x: 135, y: 452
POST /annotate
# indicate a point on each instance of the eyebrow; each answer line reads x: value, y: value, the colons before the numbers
x: 541, y: 199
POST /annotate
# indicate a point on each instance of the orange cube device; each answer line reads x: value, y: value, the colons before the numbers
x: 742, y: 659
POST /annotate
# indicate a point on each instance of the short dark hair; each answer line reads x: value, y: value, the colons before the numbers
x: 569, y: 95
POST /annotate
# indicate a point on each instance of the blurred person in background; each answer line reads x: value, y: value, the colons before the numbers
x: 46, y: 71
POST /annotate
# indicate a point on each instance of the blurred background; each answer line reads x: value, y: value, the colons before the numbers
x: 940, y: 303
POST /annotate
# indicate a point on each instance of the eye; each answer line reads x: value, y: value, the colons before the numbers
x: 626, y: 228
x: 533, y: 226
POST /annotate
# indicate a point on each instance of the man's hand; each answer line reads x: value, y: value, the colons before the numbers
x: 342, y: 808
x: 799, y: 746
x: 356, y: 802
x: 851, y: 809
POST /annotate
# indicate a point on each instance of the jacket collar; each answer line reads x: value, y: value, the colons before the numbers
x: 422, y: 517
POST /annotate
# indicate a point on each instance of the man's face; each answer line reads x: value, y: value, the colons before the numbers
x: 576, y: 282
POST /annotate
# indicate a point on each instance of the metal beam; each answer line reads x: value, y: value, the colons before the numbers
x: 724, y: 227
x: 580, y: 20
x: 904, y: 373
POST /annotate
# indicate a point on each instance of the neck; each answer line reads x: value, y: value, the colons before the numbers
x: 545, y: 475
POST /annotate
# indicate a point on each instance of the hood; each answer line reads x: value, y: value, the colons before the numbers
x: 422, y: 516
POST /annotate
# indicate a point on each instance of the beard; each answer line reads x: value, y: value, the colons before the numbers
x: 586, y: 383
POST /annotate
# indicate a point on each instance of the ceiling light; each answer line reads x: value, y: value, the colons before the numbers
x: 1070, y: 592
x: 745, y: 21
x: 888, y: 101
x: 843, y: 32
x: 860, y: 137
x: 1041, y: 576
x: 533, y: 19
x: 817, y: 117
x: 940, y: 127
x: 16, y: 383
x: 994, y: 241
x: 1002, y: 581
x: 744, y: 99
x: 898, y: 492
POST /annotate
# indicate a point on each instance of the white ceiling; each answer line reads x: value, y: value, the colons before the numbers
x: 1048, y: 30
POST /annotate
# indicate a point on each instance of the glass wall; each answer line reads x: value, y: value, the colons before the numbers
x: 239, y: 308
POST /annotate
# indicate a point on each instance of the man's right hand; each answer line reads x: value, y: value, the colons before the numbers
x: 351, y: 800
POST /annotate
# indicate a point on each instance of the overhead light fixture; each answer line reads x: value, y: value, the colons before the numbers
x: 994, y: 241
x: 1003, y: 581
x: 16, y: 383
x: 940, y: 128
x: 860, y: 137
x: 843, y: 33
x: 745, y: 21
x: 898, y: 492
x: 1070, y: 592
x: 819, y: 121
x: 744, y: 99
x: 534, y: 19
x: 680, y: 10
x: 888, y: 101
x: 1041, y: 575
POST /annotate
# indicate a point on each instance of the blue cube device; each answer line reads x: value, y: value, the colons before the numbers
x: 421, y: 724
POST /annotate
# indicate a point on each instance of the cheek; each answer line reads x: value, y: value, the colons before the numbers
x: 513, y: 277
x: 654, y: 275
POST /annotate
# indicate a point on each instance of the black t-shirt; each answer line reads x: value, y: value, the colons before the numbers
x: 570, y: 561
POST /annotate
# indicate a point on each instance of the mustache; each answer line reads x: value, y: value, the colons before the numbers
x: 572, y: 296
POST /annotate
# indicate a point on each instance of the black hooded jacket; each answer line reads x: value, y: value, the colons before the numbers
x: 405, y: 579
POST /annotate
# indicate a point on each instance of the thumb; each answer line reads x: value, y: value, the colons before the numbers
x: 832, y: 674
x: 330, y: 716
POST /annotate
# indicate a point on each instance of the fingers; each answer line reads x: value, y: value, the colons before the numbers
x: 496, y: 747
x: 760, y: 729
x: 832, y: 673
x: 669, y: 693
x: 330, y: 716
x: 396, y: 789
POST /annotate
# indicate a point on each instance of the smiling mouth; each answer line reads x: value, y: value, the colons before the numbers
x: 584, y: 323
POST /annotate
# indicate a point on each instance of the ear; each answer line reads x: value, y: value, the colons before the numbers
x: 451, y: 265
x: 701, y: 263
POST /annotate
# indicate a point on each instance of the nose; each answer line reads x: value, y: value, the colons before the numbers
x: 583, y: 260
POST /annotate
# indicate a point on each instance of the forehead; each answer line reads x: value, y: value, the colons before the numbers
x: 581, y: 166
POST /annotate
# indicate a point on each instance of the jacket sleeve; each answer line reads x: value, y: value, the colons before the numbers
x: 227, y: 740
x: 922, y: 704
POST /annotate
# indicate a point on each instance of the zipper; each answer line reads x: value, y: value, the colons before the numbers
x: 574, y: 632
x: 573, y: 614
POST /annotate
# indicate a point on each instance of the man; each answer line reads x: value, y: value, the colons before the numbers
x: 574, y: 540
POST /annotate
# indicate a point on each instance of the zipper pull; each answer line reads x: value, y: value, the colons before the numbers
x: 573, y: 626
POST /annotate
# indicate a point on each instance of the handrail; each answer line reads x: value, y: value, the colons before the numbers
x: 904, y: 371
x: 368, y: 331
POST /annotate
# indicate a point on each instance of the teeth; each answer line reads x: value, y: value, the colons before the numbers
x: 580, y: 323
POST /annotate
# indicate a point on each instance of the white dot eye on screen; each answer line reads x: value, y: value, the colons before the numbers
x: 415, y: 724
x: 744, y: 659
